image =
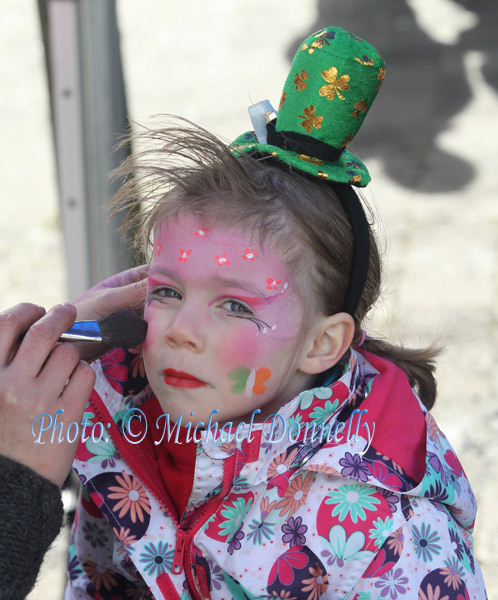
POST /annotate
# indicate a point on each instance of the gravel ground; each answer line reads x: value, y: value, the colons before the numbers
x: 429, y: 144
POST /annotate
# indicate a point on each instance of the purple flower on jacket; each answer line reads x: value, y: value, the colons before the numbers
x: 354, y: 467
x: 331, y: 558
x: 73, y: 568
x: 94, y: 534
x: 392, y: 499
x: 393, y: 583
x: 294, y: 531
x: 234, y: 543
x: 436, y: 491
x: 216, y: 574
x: 470, y: 557
x: 110, y: 460
x: 435, y: 463
x: 457, y: 544
x: 240, y: 483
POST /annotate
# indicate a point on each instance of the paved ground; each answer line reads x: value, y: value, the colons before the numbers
x: 429, y: 142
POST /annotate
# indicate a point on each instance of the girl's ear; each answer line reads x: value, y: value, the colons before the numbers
x: 330, y: 339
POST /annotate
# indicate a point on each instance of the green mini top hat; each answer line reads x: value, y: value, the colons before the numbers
x: 333, y: 80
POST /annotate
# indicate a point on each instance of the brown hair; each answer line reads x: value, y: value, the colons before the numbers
x: 184, y: 169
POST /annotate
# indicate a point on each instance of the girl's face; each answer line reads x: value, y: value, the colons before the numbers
x: 224, y: 324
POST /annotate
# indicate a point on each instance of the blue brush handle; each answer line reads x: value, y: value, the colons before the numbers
x: 83, y: 331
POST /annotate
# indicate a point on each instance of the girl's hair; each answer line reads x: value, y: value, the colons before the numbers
x: 185, y: 169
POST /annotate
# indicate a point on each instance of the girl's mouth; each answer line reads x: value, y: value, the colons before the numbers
x: 181, y: 380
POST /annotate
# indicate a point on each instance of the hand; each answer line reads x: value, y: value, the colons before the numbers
x: 37, y: 377
x: 124, y: 290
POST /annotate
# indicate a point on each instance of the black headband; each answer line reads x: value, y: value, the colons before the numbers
x: 302, y: 144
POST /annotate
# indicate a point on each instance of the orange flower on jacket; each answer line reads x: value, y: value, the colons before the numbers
x: 123, y: 536
x: 317, y: 583
x: 99, y: 577
x: 295, y: 495
x: 132, y: 498
x: 281, y: 463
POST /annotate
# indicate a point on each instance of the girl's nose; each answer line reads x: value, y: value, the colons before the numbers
x: 185, y: 332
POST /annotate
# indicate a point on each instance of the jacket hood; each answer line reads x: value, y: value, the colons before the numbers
x: 382, y: 435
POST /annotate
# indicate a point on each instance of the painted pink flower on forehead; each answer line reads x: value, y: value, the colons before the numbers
x: 222, y: 260
x: 201, y: 232
x: 250, y: 254
x: 272, y: 284
x: 184, y: 254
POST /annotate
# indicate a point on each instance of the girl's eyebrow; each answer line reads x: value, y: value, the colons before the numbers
x: 161, y: 271
x: 257, y: 296
x: 247, y: 286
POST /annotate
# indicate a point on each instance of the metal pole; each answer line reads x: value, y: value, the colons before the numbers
x: 89, y: 117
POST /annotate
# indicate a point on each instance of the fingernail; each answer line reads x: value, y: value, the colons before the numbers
x: 70, y: 306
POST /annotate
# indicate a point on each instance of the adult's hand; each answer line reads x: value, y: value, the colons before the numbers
x: 39, y: 377
x: 124, y: 290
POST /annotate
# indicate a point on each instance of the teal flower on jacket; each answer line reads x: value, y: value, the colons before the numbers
x: 260, y: 530
x: 234, y: 516
x: 103, y: 452
x: 425, y: 542
x: 157, y: 558
x: 352, y: 500
x: 321, y: 414
x: 381, y: 530
x: 343, y: 548
x: 306, y: 398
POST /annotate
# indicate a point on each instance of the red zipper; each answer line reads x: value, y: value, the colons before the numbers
x: 205, y: 512
x: 181, y: 541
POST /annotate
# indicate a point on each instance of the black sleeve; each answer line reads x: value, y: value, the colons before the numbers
x: 31, y: 516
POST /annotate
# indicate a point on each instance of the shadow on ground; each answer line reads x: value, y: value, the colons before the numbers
x: 426, y: 86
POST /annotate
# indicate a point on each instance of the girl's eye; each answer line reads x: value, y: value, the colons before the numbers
x: 236, y: 307
x: 166, y: 292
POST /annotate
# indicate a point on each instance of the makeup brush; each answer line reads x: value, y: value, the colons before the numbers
x: 123, y: 328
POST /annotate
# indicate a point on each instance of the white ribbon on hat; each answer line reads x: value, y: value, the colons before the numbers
x: 261, y: 113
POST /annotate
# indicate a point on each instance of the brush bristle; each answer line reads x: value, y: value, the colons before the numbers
x: 123, y: 328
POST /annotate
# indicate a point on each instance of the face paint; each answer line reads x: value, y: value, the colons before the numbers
x: 201, y: 232
x: 272, y: 284
x: 250, y: 254
x: 249, y: 381
x: 222, y: 260
x: 184, y: 254
x: 210, y: 311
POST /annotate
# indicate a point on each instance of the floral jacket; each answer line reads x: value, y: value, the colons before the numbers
x: 351, y: 492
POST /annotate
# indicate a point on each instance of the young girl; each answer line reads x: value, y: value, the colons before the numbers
x: 259, y: 445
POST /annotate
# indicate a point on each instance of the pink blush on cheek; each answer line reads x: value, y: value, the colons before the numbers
x: 240, y: 350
